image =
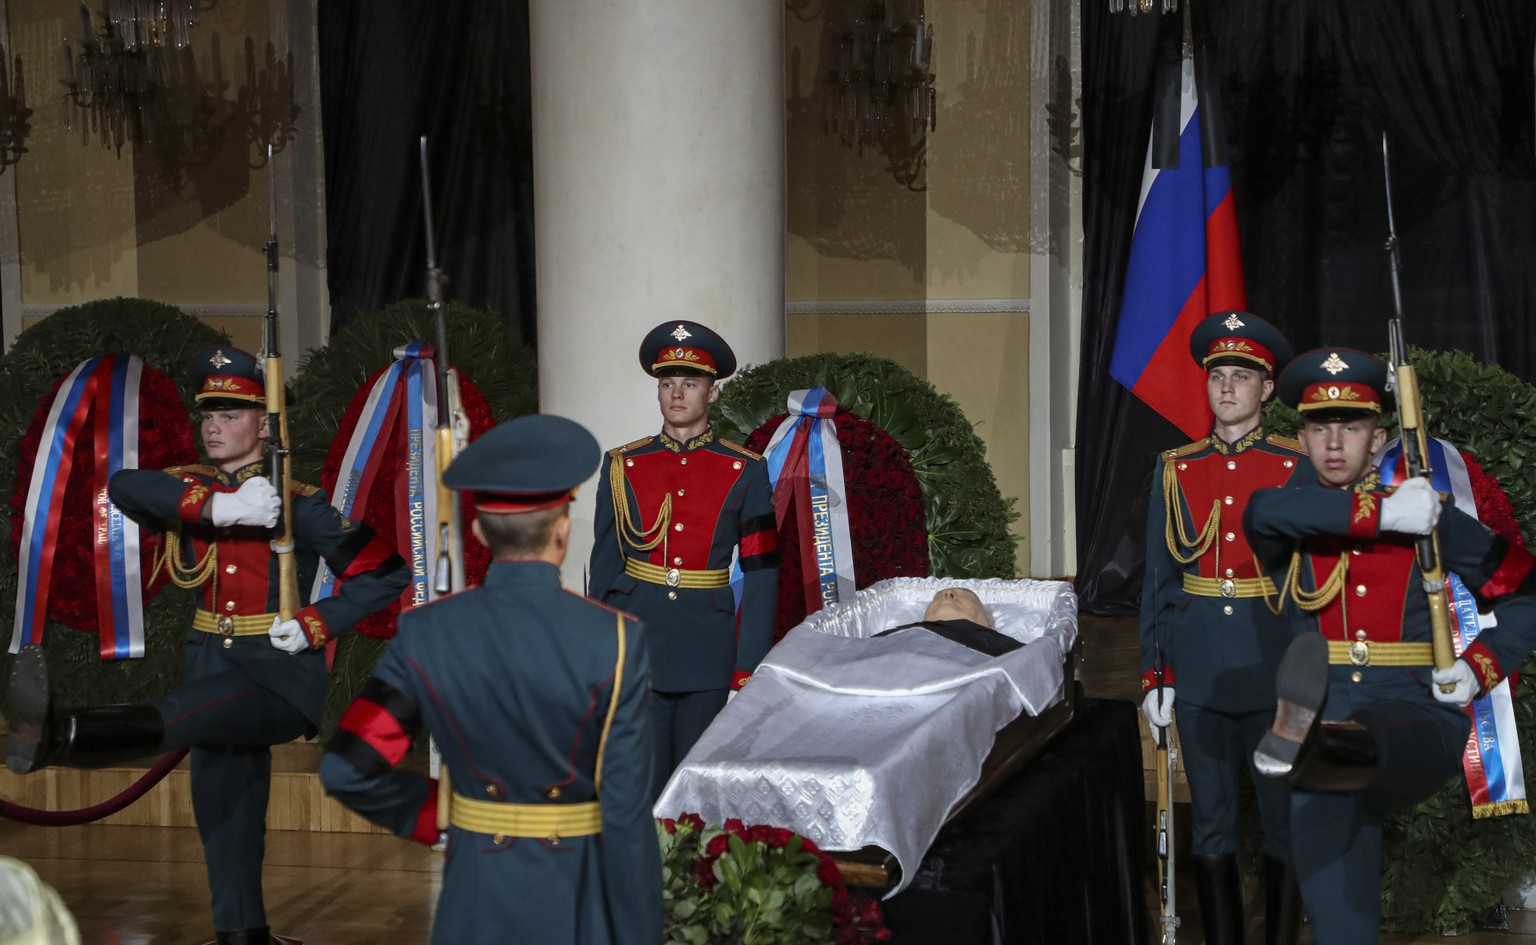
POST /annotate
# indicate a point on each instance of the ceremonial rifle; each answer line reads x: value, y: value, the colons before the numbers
x: 452, y: 433
x: 1167, y: 754
x: 1404, y: 381
x: 277, y: 423
x: 452, y: 426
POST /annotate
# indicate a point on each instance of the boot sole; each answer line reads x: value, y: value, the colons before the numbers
x: 1301, y: 688
x: 29, y: 695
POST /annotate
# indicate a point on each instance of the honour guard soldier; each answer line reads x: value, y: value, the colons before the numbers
x: 1204, y: 627
x: 672, y: 510
x: 537, y: 698
x: 1364, y: 725
x: 252, y: 680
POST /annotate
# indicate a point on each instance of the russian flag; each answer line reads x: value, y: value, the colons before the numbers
x: 1185, y: 261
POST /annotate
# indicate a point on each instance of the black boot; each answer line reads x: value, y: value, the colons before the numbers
x: 80, y: 738
x: 1282, y: 903
x: 1340, y: 756
x: 261, y: 936
x: 1219, y: 886
x: 1301, y: 688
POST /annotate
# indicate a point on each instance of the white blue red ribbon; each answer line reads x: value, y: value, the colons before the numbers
x: 805, y: 468
x: 1491, y: 761
x: 404, y: 393
x: 99, y: 398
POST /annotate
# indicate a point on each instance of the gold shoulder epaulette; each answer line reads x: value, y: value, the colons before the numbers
x: 630, y: 446
x: 1186, y: 449
x: 303, y: 488
x: 740, y: 449
x: 193, y: 468
x: 1289, y: 442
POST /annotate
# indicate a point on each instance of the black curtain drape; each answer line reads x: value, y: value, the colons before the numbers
x: 456, y: 71
x: 1306, y: 92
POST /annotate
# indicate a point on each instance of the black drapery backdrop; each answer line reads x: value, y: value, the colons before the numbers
x: 456, y: 71
x: 1306, y: 92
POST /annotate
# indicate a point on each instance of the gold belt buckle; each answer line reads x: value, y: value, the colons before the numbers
x: 1360, y: 653
x: 674, y: 577
x: 1228, y: 587
x: 227, y: 628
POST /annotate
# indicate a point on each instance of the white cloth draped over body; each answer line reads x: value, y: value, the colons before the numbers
x: 855, y: 741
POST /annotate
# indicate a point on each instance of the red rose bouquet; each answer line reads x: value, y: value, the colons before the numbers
x: 758, y: 884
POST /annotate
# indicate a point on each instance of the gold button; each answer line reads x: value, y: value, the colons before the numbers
x: 1288, y: 464
x: 1227, y: 500
x: 671, y: 595
x: 492, y: 790
x: 1355, y: 676
x: 1359, y: 634
x: 736, y: 465
x: 684, y: 460
x: 229, y: 605
x: 1183, y: 465
x: 680, y: 493
x: 498, y: 837
x: 1229, y: 572
x: 629, y: 462
x: 1354, y: 551
x: 1229, y: 536
x: 677, y: 560
x: 229, y: 642
x: 552, y: 793
x: 554, y: 839
x: 229, y: 569
x: 1231, y: 464
x: 678, y: 527
x: 1359, y: 590
x: 1227, y: 610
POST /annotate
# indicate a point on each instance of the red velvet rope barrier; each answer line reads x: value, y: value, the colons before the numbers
x: 84, y: 815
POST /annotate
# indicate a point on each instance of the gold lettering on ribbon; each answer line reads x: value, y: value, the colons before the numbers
x: 821, y: 521
x: 417, y: 521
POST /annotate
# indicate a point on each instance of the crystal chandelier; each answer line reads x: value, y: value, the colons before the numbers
x: 116, y: 74
x: 878, y: 91
x: 1142, y: 6
x: 15, y: 116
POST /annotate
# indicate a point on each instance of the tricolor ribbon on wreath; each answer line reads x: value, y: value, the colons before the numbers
x: 403, y: 394
x: 99, y: 399
x: 1491, y: 761
x: 805, y: 470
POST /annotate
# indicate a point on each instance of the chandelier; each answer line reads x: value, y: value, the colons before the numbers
x: 878, y: 91
x: 265, y: 105
x: 1142, y: 6
x: 115, y: 75
x: 15, y: 116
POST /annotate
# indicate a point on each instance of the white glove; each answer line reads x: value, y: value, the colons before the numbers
x: 1413, y: 509
x: 287, y: 635
x: 255, y: 503
x: 1460, y: 678
x: 1159, y: 714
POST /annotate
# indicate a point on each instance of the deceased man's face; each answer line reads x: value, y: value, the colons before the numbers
x: 959, y: 603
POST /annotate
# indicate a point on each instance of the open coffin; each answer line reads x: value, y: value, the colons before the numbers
x: 869, y: 745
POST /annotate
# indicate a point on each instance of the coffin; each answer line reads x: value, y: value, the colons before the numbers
x: 868, y: 746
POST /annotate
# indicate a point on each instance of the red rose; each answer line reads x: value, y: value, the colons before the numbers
x: 717, y: 845
x: 692, y: 820
x: 733, y: 825
x: 829, y: 874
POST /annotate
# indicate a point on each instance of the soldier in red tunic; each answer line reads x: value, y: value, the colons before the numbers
x: 672, y: 511
x: 252, y: 679
x: 1365, y: 726
x: 1206, y: 633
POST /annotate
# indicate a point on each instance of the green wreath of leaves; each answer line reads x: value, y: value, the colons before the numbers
x: 967, y: 516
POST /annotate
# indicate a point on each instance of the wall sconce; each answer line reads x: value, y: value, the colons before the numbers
x: 15, y: 116
x: 878, y: 91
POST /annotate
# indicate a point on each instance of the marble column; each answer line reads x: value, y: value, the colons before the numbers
x: 658, y: 147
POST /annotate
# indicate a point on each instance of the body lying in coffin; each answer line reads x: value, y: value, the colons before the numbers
x: 867, y: 740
